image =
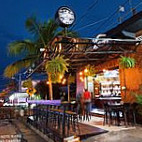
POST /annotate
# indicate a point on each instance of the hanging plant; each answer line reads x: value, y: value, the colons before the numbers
x: 127, y: 62
x: 89, y: 71
x: 56, y: 68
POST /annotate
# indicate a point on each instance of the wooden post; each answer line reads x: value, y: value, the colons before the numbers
x: 63, y: 121
x: 50, y: 89
x: 86, y: 82
x: 69, y: 99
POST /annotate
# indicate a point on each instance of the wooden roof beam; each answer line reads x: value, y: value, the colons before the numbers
x: 99, y: 52
x: 80, y: 60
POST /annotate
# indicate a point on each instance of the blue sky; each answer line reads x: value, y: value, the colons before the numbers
x: 102, y: 15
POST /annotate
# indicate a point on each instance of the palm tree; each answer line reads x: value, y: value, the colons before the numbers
x: 43, y: 35
x: 125, y: 63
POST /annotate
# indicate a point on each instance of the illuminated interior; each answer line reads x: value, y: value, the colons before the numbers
x: 107, y: 84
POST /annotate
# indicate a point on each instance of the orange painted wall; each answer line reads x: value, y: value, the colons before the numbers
x: 133, y: 78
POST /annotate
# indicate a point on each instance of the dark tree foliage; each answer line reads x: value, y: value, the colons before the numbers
x: 42, y: 89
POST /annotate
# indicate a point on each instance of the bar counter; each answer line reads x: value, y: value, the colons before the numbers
x: 99, y: 101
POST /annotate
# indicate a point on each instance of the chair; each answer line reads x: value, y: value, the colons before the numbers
x: 133, y: 108
x: 107, y: 114
x: 126, y: 113
x: 112, y: 114
x: 117, y: 110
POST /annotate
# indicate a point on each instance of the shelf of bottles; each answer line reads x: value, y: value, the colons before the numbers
x: 110, y: 88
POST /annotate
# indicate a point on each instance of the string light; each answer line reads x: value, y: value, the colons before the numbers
x: 60, y: 47
x: 80, y: 73
x: 64, y: 81
x: 104, y: 70
x: 81, y: 78
x: 86, y: 70
x: 61, y: 76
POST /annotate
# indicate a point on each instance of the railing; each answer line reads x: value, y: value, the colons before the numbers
x: 52, y: 117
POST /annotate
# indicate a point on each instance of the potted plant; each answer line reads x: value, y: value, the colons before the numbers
x: 55, y: 70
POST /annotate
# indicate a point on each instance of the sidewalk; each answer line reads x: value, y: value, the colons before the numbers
x: 13, y: 127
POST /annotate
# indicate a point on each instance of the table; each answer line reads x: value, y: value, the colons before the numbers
x: 110, y: 98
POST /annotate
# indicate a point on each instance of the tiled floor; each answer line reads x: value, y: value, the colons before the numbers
x: 98, y: 111
x: 98, y: 122
x: 115, y: 134
x: 129, y: 135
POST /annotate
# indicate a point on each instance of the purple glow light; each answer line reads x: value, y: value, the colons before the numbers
x: 45, y: 102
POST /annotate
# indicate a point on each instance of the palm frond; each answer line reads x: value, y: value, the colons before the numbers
x: 51, y: 27
x: 48, y: 31
x: 15, y: 67
x: 35, y: 28
x: 23, y: 46
x: 68, y: 33
x: 32, y: 25
x: 72, y: 34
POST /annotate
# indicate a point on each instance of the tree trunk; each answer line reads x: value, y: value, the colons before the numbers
x: 50, y: 89
x: 69, y: 92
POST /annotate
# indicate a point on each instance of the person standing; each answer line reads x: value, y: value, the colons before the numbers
x: 78, y: 101
x: 87, y: 102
